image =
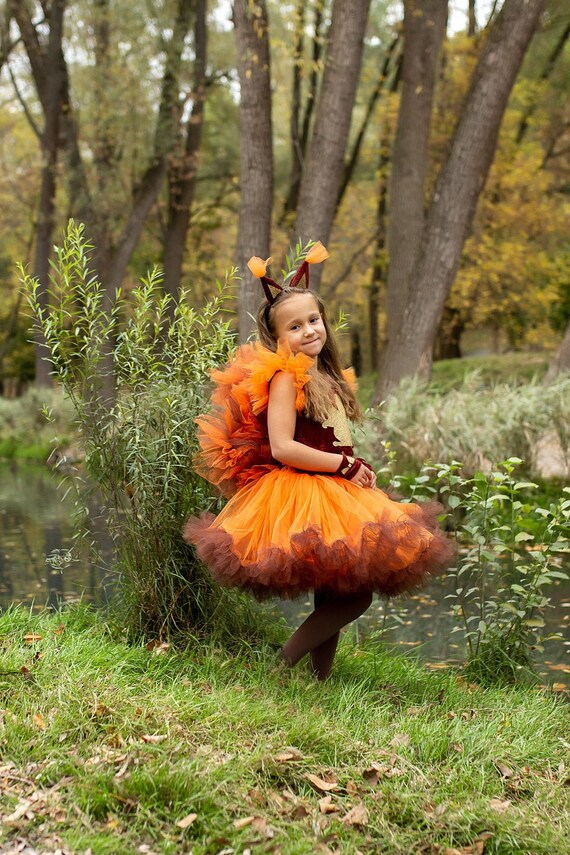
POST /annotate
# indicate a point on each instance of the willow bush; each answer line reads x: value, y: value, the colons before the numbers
x: 136, y: 374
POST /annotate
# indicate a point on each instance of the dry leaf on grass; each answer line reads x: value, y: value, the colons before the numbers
x: 503, y: 770
x: 288, y: 754
x: 321, y: 784
x: 154, y: 738
x: 39, y: 721
x: 500, y: 805
x: 358, y: 815
x: 157, y: 647
x: 243, y: 823
x: 326, y: 805
x: 32, y: 637
x: 187, y: 821
x: 400, y: 739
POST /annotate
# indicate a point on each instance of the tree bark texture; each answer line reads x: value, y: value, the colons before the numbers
x: 324, y: 165
x: 300, y: 130
x: 560, y: 363
x: 472, y: 19
x: 182, y: 179
x: 457, y: 190
x: 50, y: 147
x: 424, y: 29
x: 256, y: 155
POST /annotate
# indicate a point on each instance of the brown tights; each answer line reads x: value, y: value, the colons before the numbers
x: 319, y: 633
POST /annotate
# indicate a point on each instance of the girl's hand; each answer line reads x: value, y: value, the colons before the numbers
x: 364, y: 478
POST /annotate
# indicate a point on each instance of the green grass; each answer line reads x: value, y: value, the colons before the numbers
x: 112, y: 745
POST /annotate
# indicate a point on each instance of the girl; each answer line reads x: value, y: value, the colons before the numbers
x: 304, y: 513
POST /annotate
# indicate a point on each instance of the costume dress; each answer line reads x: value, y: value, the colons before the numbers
x: 285, y: 531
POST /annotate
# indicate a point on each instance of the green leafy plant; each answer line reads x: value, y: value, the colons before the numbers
x: 136, y: 372
x: 510, y: 553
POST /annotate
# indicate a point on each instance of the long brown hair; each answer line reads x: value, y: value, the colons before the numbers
x: 318, y: 391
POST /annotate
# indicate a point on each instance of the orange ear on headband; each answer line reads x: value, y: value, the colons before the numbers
x: 258, y: 267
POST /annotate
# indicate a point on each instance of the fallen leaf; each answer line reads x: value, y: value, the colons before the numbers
x: 358, y: 815
x: 326, y: 805
x: 288, y: 754
x: 299, y: 812
x: 400, y: 739
x: 187, y: 821
x: 32, y: 637
x: 351, y: 788
x: 500, y: 805
x: 243, y: 823
x: 154, y: 738
x: 320, y: 784
x: 502, y: 768
x: 39, y: 721
x: 59, y: 630
x: 371, y: 776
x: 157, y: 647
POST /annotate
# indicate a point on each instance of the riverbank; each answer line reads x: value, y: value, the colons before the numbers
x: 124, y: 749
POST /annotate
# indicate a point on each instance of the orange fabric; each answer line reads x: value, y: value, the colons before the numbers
x: 290, y: 532
x: 234, y: 447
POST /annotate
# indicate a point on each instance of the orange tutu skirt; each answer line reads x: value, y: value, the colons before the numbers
x: 290, y: 532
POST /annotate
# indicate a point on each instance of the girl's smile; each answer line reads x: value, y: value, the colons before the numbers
x: 298, y: 322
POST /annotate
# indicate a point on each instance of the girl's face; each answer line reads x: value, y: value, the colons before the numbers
x: 298, y: 321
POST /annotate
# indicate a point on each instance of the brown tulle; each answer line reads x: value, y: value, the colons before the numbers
x: 369, y: 561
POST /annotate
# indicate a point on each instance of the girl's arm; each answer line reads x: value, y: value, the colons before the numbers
x: 281, y: 420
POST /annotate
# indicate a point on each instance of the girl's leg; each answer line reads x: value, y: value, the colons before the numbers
x: 319, y: 632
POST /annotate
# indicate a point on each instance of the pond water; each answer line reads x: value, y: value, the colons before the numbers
x: 36, y: 520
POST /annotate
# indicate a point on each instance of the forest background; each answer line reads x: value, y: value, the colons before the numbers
x: 195, y: 134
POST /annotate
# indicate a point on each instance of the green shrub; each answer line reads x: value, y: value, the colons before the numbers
x: 510, y: 553
x: 137, y: 378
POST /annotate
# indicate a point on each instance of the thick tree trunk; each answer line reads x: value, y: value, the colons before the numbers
x: 50, y: 146
x: 256, y: 158
x: 182, y: 183
x: 424, y: 29
x: 457, y: 190
x: 325, y: 158
x: 560, y: 363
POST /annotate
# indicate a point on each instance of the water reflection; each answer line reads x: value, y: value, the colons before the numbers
x: 424, y: 624
x: 36, y: 519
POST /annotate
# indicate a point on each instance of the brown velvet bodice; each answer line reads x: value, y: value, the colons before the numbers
x: 333, y: 435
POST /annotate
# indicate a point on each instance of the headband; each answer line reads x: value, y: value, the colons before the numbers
x: 258, y: 267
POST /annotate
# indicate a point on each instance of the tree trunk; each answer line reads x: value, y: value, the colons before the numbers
x: 325, y: 158
x: 256, y: 158
x: 182, y: 183
x: 424, y: 28
x: 560, y: 363
x: 350, y: 165
x: 472, y: 19
x: 50, y: 146
x: 457, y: 190
x: 545, y: 74
x: 300, y: 146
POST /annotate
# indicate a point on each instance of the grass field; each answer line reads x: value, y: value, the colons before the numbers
x: 114, y: 748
